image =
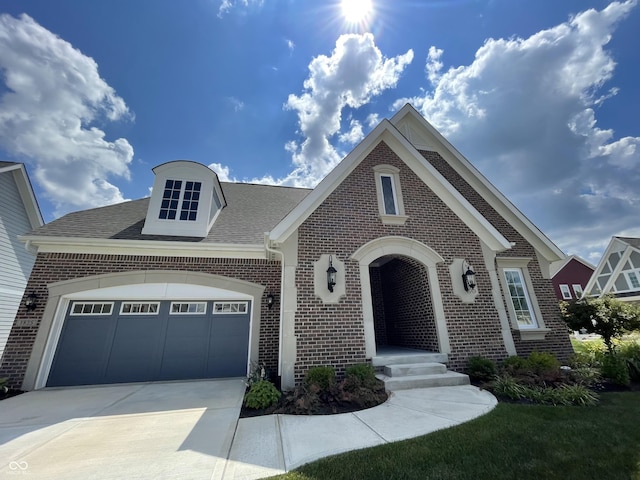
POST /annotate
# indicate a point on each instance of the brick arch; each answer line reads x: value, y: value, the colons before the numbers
x: 60, y: 294
x: 406, y: 247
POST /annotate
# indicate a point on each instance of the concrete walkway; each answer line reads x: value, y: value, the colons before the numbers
x: 190, y: 430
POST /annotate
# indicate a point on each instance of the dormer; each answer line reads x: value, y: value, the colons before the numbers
x: 185, y: 201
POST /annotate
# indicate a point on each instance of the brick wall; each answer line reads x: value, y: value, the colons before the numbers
x: 349, y: 218
x: 556, y: 341
x: 409, y: 314
x: 56, y: 267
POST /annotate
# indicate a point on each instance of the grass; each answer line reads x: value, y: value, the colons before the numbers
x: 512, y: 442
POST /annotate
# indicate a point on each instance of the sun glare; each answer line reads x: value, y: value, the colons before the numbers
x: 356, y: 11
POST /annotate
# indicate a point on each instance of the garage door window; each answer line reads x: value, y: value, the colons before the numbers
x: 139, y: 308
x: 86, y: 308
x: 230, y: 307
x: 178, y: 308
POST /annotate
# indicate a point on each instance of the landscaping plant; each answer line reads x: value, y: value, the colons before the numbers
x: 262, y: 394
x: 606, y: 316
x: 481, y: 368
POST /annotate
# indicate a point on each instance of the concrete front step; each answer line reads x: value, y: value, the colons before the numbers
x: 385, y: 360
x: 447, y: 379
x: 411, y: 369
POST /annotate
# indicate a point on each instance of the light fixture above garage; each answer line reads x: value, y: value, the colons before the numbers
x: 468, y: 277
x: 331, y: 275
x: 31, y: 302
x: 270, y: 300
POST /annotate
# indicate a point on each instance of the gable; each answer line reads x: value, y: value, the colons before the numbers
x: 618, y: 271
x: 409, y: 156
x: 427, y: 138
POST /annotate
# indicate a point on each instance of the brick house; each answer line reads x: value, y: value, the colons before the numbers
x: 403, y: 245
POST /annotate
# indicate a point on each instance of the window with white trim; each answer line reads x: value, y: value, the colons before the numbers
x: 182, y: 308
x: 389, y: 193
x: 139, y: 308
x: 520, y: 299
x: 577, y: 289
x: 566, y: 293
x: 91, y: 308
x: 176, y: 197
x: 230, y: 307
x: 633, y: 279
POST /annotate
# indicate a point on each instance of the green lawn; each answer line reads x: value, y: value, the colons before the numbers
x: 515, y: 442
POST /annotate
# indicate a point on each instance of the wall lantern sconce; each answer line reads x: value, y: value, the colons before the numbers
x: 31, y: 302
x: 468, y: 277
x: 331, y: 275
x: 270, y: 301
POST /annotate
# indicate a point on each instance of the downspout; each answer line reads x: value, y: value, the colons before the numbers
x: 30, y: 248
x: 278, y: 252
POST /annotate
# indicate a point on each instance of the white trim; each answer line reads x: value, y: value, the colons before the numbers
x: 391, y: 172
x: 527, y: 298
x: 615, y: 245
x: 578, y: 292
x: 477, y: 181
x: 101, y: 246
x: 197, y: 310
x: 139, y: 312
x: 60, y: 293
x: 379, y: 247
x: 566, y: 291
x: 214, y: 311
x: 27, y: 195
x: 386, y: 132
x: 93, y: 314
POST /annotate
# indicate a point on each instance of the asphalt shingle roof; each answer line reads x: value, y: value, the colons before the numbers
x: 633, y: 241
x: 251, y: 211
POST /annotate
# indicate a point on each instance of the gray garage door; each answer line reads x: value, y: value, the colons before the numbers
x: 138, y: 341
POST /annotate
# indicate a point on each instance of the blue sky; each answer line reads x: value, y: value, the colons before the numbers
x: 541, y: 96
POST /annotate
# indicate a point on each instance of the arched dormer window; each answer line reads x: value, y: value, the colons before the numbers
x: 185, y: 201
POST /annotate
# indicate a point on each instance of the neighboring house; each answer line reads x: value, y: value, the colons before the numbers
x: 570, y: 277
x: 203, y: 278
x: 19, y: 214
x: 618, y: 272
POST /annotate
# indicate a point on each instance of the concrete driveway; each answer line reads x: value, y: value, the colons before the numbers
x: 190, y: 430
x: 133, y: 431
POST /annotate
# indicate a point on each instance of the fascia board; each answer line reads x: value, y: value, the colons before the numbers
x: 616, y: 271
x: 491, y: 194
x: 301, y: 212
x: 26, y: 194
x: 445, y: 191
x: 143, y: 247
x: 605, y: 256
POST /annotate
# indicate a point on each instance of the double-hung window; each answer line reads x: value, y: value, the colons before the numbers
x: 520, y: 299
x: 566, y: 293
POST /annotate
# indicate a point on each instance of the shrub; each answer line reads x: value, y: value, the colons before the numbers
x: 262, y: 394
x: 481, y: 368
x: 363, y: 372
x: 575, y: 395
x: 514, y: 365
x: 507, y: 386
x: 614, y: 367
x: 322, y: 377
x: 541, y: 362
x: 630, y: 352
x: 586, y: 376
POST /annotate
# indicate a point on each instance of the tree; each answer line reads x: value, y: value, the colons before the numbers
x: 606, y: 316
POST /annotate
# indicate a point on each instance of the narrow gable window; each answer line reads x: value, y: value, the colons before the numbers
x: 389, y: 193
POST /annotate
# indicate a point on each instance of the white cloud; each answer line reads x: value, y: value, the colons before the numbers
x: 54, y: 99
x: 290, y: 45
x: 523, y: 112
x: 354, y: 134
x: 355, y: 72
x: 228, y: 5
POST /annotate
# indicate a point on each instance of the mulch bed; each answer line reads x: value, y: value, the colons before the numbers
x: 304, y: 402
x: 10, y: 393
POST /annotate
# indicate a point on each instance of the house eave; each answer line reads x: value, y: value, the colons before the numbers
x: 98, y: 246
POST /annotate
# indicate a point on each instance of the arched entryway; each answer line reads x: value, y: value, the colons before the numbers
x: 402, y: 308
x: 398, y: 274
